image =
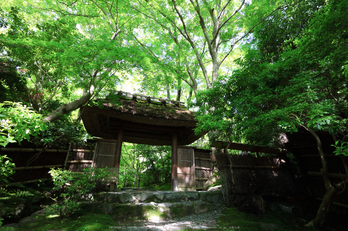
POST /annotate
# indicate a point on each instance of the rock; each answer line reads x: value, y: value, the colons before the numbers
x: 26, y: 221
x: 127, y: 198
x: 143, y: 196
x: 12, y: 225
x: 173, y: 197
x: 212, y: 197
x: 215, y: 188
x: 39, y: 213
x: 269, y: 226
x: 201, y: 207
x: 190, y: 196
x: 159, y: 196
x: 209, y: 182
x: 19, y: 210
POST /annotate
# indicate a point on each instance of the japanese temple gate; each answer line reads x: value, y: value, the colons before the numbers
x: 124, y: 117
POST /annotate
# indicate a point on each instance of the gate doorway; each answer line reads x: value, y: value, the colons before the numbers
x: 139, y: 119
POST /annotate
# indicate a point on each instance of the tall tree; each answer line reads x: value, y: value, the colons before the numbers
x: 204, y: 33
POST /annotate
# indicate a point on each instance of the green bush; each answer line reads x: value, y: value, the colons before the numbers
x: 6, y: 169
x: 71, y: 188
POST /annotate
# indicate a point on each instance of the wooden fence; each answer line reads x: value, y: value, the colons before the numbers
x: 33, y: 163
x: 194, y: 167
x: 245, y: 175
x: 203, y: 167
x: 80, y: 157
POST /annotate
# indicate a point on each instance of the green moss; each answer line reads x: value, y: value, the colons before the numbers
x: 177, y: 211
x: 165, y: 187
x: 81, y: 221
x: 124, y: 212
x: 234, y: 219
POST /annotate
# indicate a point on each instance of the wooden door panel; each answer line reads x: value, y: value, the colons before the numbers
x: 186, y: 169
x: 105, y: 154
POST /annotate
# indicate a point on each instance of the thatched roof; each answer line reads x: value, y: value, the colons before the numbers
x: 144, y: 119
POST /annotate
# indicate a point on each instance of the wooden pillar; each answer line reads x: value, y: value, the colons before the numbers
x: 175, y: 162
x: 117, y: 159
x: 118, y: 149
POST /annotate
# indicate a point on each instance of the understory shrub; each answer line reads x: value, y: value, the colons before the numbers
x: 71, y: 188
x: 6, y: 169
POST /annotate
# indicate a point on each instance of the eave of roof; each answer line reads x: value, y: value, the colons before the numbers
x: 143, y: 119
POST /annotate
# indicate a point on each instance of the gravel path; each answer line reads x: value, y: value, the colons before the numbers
x: 205, y: 221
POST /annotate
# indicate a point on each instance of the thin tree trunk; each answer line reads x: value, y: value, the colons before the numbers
x: 168, y: 91
x: 178, y: 96
x: 331, y: 190
x: 324, y: 207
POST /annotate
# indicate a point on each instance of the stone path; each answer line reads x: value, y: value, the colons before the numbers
x: 154, y: 210
x: 162, y: 211
x: 205, y: 221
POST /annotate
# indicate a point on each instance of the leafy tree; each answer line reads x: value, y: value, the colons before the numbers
x: 144, y: 165
x: 66, y: 51
x: 12, y: 84
x: 18, y: 122
x: 196, y: 38
x: 291, y: 77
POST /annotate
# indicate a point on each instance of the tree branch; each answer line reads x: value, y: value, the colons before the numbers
x: 325, y: 170
x: 188, y: 38
x: 247, y: 33
x: 223, y: 9
x: 66, y: 108
x: 224, y: 23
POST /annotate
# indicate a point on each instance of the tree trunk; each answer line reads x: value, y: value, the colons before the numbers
x: 66, y: 108
x: 168, y: 91
x: 178, y: 96
x: 324, y: 208
x: 331, y: 190
x: 223, y: 165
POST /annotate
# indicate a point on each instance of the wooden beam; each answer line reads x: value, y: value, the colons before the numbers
x: 205, y: 159
x: 248, y: 148
x: 116, y: 123
x: 336, y: 203
x: 203, y: 168
x: 27, y: 182
x: 39, y: 167
x: 81, y: 150
x: 174, y: 162
x: 80, y: 161
x: 32, y: 150
x: 332, y: 175
x: 314, y: 155
x: 261, y: 167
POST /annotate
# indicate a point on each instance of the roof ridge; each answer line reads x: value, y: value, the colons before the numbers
x: 136, y: 96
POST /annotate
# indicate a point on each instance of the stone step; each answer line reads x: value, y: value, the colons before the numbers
x: 158, y: 197
x: 154, y: 211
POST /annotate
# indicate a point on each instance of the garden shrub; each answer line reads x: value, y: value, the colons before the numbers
x: 6, y: 169
x: 72, y: 188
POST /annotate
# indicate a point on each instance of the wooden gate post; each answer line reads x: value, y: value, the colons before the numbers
x: 116, y: 164
x: 174, y: 162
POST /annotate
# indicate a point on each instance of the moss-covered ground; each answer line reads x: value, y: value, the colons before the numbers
x: 231, y: 219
